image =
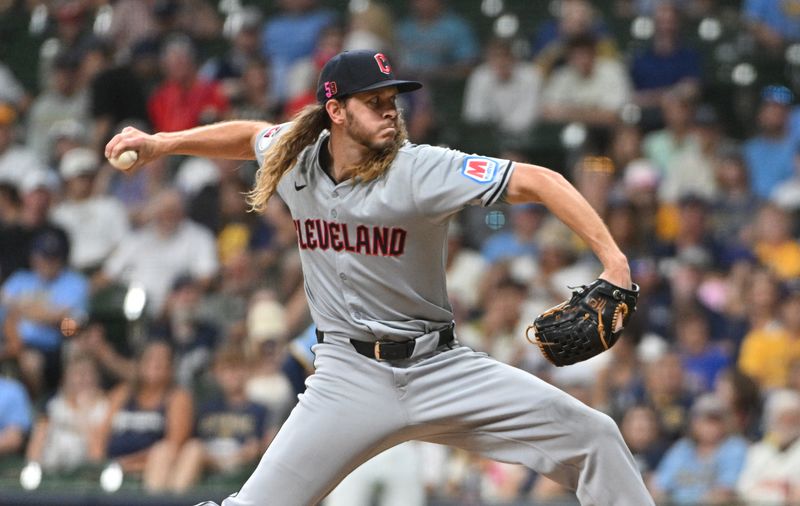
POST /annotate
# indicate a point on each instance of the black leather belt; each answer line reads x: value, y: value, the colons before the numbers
x: 391, y: 350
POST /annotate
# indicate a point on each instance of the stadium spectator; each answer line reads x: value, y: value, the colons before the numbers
x: 496, y: 331
x: 465, y: 269
x: 65, y: 98
x: 254, y: 99
x: 502, y: 92
x: 11, y: 90
x: 15, y: 416
x: 157, y: 254
x: 622, y: 221
x: 666, y: 391
x: 15, y: 160
x: 148, y: 421
x: 666, y: 61
x: 191, y: 337
x: 290, y: 35
x: 230, y: 431
x: 396, y: 473
x: 113, y: 82
x: 774, y: 246
x: 742, y: 399
x: 769, y: 347
x: 184, y: 99
x: 770, y: 470
x: 126, y: 35
x: 619, y: 380
x: 436, y: 43
x: 664, y: 146
x: 773, y: 24
x: 36, y: 302
x: 36, y: 190
x: 642, y: 433
x: 266, y: 335
x: 303, y: 73
x: 703, y: 360
x: 520, y: 240
x: 574, y: 18
x: 734, y: 206
x: 244, y: 47
x: 96, y: 224
x: 589, y: 88
x: 705, y: 465
x: 692, y: 171
x: 371, y: 26
x: 60, y: 439
x: 770, y: 154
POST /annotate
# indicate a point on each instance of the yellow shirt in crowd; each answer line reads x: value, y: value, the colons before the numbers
x: 767, y: 353
x: 783, y: 259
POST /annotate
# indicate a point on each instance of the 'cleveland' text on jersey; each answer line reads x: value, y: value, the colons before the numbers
x: 381, y: 241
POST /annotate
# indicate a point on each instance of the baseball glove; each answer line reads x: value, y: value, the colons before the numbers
x: 586, y: 325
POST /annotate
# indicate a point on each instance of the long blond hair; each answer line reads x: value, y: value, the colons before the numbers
x: 304, y: 130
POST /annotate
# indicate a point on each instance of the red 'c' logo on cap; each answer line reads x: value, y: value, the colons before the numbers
x: 383, y: 63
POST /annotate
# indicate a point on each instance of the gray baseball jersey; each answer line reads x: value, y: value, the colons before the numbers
x: 373, y: 254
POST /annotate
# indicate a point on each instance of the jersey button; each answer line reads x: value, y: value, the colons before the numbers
x: 333, y: 213
x: 343, y: 276
x: 335, y: 194
x: 357, y: 315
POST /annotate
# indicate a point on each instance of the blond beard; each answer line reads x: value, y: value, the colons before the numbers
x: 379, y: 160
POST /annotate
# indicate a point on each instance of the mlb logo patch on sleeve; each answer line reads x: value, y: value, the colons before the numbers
x: 479, y: 169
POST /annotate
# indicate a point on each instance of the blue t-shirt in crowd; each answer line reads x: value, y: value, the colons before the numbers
x: 650, y: 70
x: 15, y: 406
x: 687, y: 477
x: 447, y: 41
x: 783, y: 16
x: 69, y: 290
x: 217, y: 419
x: 702, y: 370
x: 290, y: 37
x: 769, y: 163
x: 505, y: 246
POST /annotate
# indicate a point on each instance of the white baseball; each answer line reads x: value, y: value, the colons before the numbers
x: 124, y: 161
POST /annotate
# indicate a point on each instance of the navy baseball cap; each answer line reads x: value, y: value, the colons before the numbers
x: 356, y: 71
x: 51, y: 243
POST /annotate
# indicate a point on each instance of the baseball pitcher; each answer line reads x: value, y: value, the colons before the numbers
x: 371, y: 212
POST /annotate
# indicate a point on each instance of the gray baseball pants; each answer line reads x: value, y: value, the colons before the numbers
x: 356, y: 407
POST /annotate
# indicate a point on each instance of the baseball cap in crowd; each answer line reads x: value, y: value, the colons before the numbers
x: 777, y: 95
x: 352, y: 72
x: 39, y: 180
x: 52, y: 244
x: 77, y: 162
x: 708, y: 405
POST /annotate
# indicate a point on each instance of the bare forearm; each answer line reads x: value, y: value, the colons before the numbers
x: 11, y: 440
x: 531, y: 183
x: 230, y: 139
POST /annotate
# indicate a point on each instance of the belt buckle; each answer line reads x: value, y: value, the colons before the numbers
x: 377, y: 350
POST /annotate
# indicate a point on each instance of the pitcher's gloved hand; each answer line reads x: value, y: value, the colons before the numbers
x: 586, y: 325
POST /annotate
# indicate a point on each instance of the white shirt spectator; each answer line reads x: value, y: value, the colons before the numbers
x: 10, y: 89
x: 95, y: 227
x: 511, y: 103
x: 608, y: 87
x: 155, y: 261
x: 16, y: 162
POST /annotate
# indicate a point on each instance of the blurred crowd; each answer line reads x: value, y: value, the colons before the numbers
x: 149, y: 320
